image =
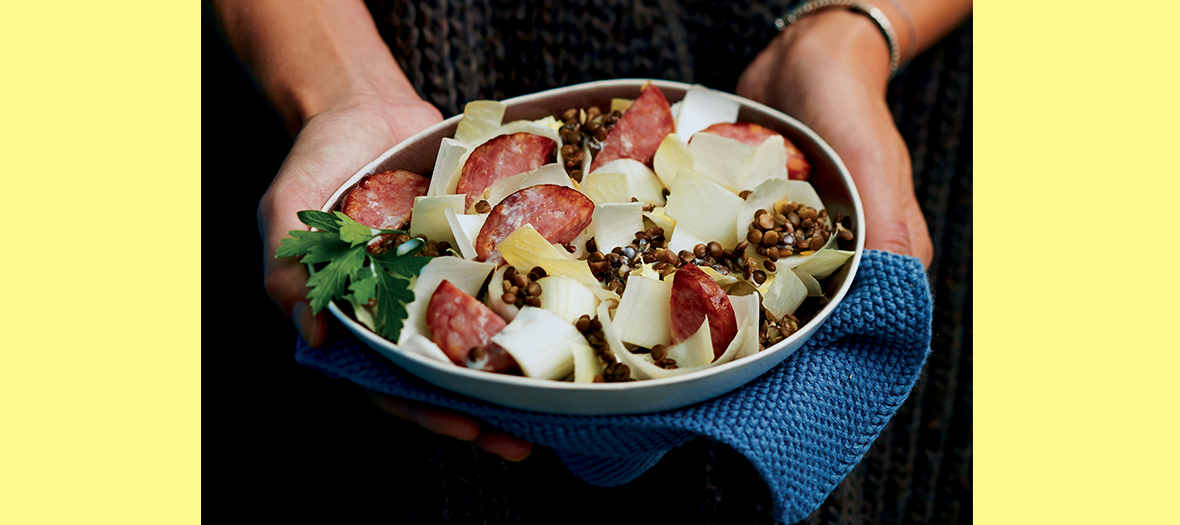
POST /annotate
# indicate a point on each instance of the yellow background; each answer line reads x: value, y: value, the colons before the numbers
x: 1075, y: 186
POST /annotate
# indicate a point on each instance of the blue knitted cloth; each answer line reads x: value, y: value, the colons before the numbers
x: 803, y: 425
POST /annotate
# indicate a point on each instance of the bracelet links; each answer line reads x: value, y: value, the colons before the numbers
x: 857, y: 6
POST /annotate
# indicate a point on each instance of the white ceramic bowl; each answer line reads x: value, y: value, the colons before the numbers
x: 828, y: 175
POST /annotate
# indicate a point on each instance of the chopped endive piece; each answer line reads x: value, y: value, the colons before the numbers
x: 824, y: 262
x: 723, y: 281
x: 586, y: 364
x: 672, y: 155
x: 762, y: 197
x: 524, y: 246
x: 566, y: 297
x: 366, y: 316
x: 722, y: 160
x: 796, y: 260
x: 644, y: 316
x: 495, y: 299
x: 785, y: 294
x: 423, y: 346
x: 541, y: 343
x: 747, y: 311
x: 606, y: 188
x: 684, y: 237
x: 465, y: 228
x: 813, y: 287
x: 445, y: 177
x: 430, y: 219
x: 466, y: 275
x: 769, y: 162
x: 579, y: 243
x: 640, y: 368
x: 647, y: 270
x: 615, y: 225
x: 550, y: 122
x: 620, y: 104
x: 642, y: 182
x: 694, y: 352
x: 479, y: 118
x: 705, y: 207
x: 547, y: 174
x: 658, y: 218
x: 702, y: 107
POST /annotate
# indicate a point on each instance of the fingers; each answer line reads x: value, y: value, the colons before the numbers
x: 454, y: 425
x: 920, y: 244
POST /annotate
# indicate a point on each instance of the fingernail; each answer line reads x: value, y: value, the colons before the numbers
x: 304, y: 320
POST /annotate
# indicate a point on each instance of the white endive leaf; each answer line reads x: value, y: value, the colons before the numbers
x: 769, y: 162
x: 420, y: 345
x: 641, y: 181
x: 445, y: 176
x: 606, y: 188
x: 479, y: 118
x: 762, y: 197
x: 525, y: 248
x: 722, y: 160
x: 586, y: 364
x: 465, y: 275
x: 465, y: 228
x: 748, y: 312
x: 615, y: 225
x: 696, y: 351
x: 430, y: 219
x: 702, y: 107
x: 644, y: 316
x: 547, y: 174
x: 621, y: 104
x: 640, y: 368
x: 672, y: 155
x: 495, y: 300
x: 824, y: 262
x: 813, y: 287
x: 658, y: 218
x: 541, y: 343
x: 566, y: 297
x: 684, y: 237
x: 705, y: 207
x: 785, y: 294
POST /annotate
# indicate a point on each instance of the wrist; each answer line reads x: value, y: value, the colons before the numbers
x: 839, y: 37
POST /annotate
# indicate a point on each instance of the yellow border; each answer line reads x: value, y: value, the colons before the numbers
x: 99, y: 381
x: 1075, y: 195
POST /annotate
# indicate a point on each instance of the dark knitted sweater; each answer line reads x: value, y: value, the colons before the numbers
x: 453, y: 52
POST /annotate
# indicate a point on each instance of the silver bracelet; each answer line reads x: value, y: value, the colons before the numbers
x: 852, y: 5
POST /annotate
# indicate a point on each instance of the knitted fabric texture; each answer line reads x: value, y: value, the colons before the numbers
x: 803, y: 425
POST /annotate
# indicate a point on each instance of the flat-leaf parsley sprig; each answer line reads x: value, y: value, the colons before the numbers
x: 352, y: 272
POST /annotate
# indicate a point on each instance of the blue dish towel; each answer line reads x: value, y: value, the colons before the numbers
x: 803, y: 424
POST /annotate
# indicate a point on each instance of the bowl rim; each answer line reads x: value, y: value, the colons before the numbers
x: 698, y: 375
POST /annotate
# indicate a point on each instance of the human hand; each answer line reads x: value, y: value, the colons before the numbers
x: 830, y: 71
x: 329, y: 149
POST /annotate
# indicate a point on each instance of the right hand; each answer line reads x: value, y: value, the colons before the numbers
x: 329, y: 149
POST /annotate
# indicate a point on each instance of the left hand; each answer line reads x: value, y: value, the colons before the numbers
x: 830, y: 71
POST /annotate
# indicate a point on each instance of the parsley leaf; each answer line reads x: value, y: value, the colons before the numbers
x: 318, y: 246
x: 319, y: 219
x: 328, y: 282
x: 340, y: 242
x: 363, y: 286
x: 352, y: 231
x: 393, y: 295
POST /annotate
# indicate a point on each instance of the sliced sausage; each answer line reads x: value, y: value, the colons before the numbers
x: 639, y: 132
x: 503, y: 156
x: 459, y: 323
x: 558, y: 213
x: 748, y: 133
x: 695, y: 297
x: 385, y: 200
